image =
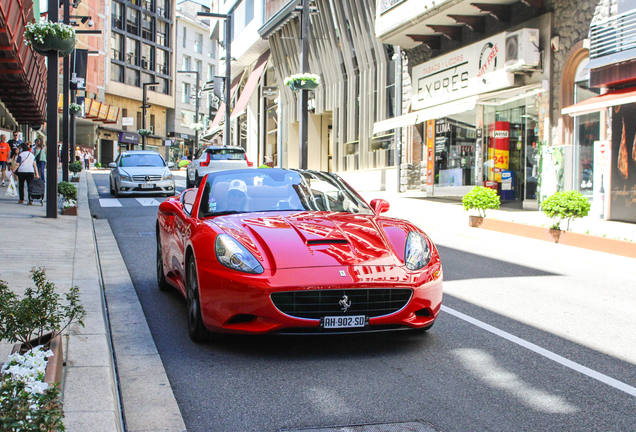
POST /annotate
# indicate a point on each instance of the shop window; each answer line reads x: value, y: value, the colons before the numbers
x: 454, y: 153
x: 586, y: 130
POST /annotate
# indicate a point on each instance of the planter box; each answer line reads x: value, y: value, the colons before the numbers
x: 55, y: 364
x: 475, y: 221
x: 75, y: 180
x: 71, y: 211
x: 569, y: 238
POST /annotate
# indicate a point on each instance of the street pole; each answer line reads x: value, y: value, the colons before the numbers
x: 51, y: 120
x: 66, y: 66
x: 304, y: 94
x: 228, y: 76
x: 143, y: 111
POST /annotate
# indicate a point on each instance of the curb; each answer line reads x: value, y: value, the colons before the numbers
x: 148, y: 403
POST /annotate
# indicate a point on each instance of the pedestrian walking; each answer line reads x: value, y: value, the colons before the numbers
x: 25, y: 169
x: 78, y: 154
x: 87, y: 160
x: 40, y: 158
x: 15, y: 144
x: 5, y: 157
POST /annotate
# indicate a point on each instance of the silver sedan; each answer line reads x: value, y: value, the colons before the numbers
x: 141, y: 172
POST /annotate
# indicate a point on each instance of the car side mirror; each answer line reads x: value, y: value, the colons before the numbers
x: 170, y: 208
x: 170, y: 164
x: 380, y: 206
x: 112, y: 165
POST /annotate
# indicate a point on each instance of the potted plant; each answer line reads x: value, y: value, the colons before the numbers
x: 304, y: 81
x: 45, y: 36
x: 144, y: 132
x: 75, y: 168
x: 75, y: 108
x: 480, y: 198
x: 566, y: 205
x: 197, y: 126
x: 68, y: 193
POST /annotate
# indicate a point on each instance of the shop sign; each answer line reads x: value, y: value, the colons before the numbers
x: 430, y: 153
x: 601, y: 175
x: 127, y: 121
x: 129, y: 138
x: 623, y: 164
x: 470, y: 71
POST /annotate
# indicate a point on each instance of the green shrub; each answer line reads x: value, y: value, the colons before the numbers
x: 98, y: 165
x: 482, y: 199
x: 264, y: 166
x: 184, y: 163
x: 67, y: 190
x: 565, y: 206
x: 75, y: 167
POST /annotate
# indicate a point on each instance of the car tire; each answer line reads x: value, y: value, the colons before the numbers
x: 196, y: 328
x: 161, y: 276
x: 188, y: 182
x: 112, y: 190
x: 197, y: 179
x: 115, y: 191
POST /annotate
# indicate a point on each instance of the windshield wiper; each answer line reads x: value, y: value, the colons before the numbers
x: 226, y: 212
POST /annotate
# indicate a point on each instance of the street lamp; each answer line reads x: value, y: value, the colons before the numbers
x: 196, y: 109
x: 228, y: 61
x: 144, y: 105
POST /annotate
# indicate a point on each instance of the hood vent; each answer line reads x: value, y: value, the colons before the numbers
x: 326, y: 242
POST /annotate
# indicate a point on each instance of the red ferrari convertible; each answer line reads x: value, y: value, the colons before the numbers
x: 291, y: 251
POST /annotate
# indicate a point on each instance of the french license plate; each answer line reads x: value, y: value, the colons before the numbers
x: 343, y: 322
x: 147, y: 186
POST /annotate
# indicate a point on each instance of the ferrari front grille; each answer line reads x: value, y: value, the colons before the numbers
x: 315, y: 304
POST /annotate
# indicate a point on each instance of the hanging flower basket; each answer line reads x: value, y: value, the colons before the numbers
x: 75, y: 108
x: 46, y: 36
x: 197, y: 126
x: 144, y: 132
x: 302, y: 81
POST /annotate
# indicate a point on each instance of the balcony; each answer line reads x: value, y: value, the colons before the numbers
x: 613, y: 40
x: 22, y: 71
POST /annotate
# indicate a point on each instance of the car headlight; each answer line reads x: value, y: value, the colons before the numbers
x: 416, y: 253
x: 233, y: 254
x: 124, y: 177
x: 167, y: 175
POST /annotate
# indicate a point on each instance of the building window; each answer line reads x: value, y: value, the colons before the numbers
x: 197, y: 66
x: 249, y: 11
x: 148, y: 5
x: 117, y: 46
x: 185, y: 95
x: 162, y: 33
x: 186, y: 63
x: 132, y: 51
x: 117, y: 16
x: 147, y: 28
x: 185, y: 36
x: 162, y: 62
x: 152, y: 123
x: 116, y: 72
x: 210, y: 72
x: 124, y: 113
x: 198, y: 43
x: 164, y: 86
x: 147, y: 57
x: 138, y: 120
x: 132, y: 21
x: 162, y: 8
x: 132, y: 77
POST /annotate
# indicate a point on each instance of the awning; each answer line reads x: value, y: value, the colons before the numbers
x: 250, y: 85
x: 598, y: 103
x: 221, y: 112
x: 439, y: 111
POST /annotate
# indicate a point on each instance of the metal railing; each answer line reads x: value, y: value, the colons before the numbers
x: 614, y: 35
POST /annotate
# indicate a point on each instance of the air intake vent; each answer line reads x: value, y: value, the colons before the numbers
x: 326, y: 242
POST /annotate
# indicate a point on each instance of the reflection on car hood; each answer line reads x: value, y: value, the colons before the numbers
x: 142, y: 170
x: 318, y: 239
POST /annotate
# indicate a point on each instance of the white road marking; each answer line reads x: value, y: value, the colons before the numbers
x: 109, y: 202
x: 619, y: 385
x: 148, y: 202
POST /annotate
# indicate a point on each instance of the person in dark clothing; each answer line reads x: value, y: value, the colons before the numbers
x: 26, y: 169
x: 15, y: 144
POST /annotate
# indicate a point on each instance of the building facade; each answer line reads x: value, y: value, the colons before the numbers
x: 195, y: 51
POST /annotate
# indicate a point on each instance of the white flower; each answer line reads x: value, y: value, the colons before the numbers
x: 36, y: 387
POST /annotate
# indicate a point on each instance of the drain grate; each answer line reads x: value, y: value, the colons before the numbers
x: 147, y: 234
x: 412, y: 426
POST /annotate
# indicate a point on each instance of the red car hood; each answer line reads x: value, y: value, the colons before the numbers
x: 318, y: 239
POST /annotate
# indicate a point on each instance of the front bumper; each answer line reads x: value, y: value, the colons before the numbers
x: 233, y: 302
x: 145, y: 188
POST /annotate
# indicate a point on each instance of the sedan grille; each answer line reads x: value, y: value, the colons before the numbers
x: 315, y: 304
x: 146, y: 178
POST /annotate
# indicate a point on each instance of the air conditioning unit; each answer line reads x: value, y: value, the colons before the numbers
x: 522, y: 50
x: 144, y: 63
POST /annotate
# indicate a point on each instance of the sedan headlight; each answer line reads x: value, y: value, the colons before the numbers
x: 416, y: 253
x: 124, y: 177
x: 167, y: 175
x: 233, y: 254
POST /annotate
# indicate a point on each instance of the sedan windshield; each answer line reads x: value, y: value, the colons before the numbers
x: 261, y: 190
x: 141, y: 160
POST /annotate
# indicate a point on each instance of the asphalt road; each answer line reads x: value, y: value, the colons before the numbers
x: 464, y: 375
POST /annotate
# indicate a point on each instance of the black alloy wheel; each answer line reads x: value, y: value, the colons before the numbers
x: 161, y: 276
x: 112, y: 189
x: 188, y: 182
x: 196, y: 328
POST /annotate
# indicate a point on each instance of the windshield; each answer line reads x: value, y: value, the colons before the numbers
x: 261, y: 190
x: 226, y: 154
x: 141, y: 160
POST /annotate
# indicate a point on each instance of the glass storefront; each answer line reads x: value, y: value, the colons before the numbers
x: 454, y: 152
x: 586, y: 130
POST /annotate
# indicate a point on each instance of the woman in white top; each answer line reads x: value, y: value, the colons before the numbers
x: 26, y: 169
